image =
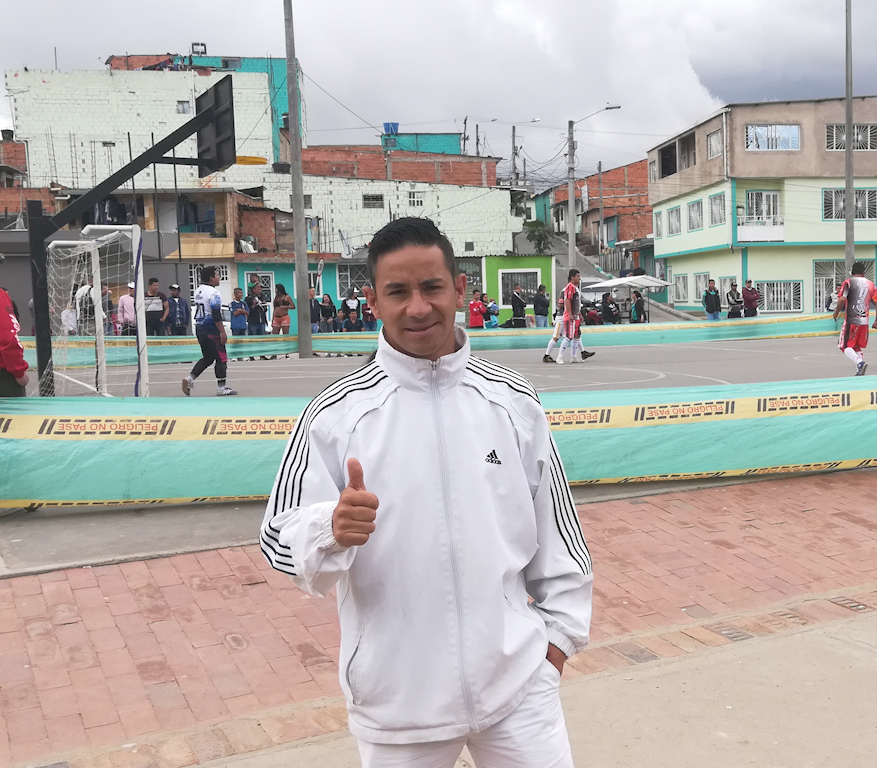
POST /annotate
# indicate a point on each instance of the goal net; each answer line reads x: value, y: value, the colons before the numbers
x: 95, y: 302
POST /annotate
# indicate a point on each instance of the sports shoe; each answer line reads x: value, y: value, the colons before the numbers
x: 225, y: 391
x: 574, y: 359
x: 188, y: 386
x: 586, y: 354
x: 547, y: 359
x: 861, y: 368
x: 559, y: 360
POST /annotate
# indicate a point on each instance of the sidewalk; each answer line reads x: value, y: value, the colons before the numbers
x: 197, y: 658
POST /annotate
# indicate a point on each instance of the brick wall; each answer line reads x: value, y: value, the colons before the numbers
x: 14, y: 200
x: 625, y: 194
x: 13, y: 153
x: 259, y: 224
x: 137, y: 61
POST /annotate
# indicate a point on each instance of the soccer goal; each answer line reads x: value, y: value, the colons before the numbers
x: 98, y: 346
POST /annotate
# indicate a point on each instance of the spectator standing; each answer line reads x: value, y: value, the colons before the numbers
x: 831, y: 300
x: 314, y: 304
x: 239, y: 313
x: 519, y: 306
x: 637, y: 309
x: 735, y: 302
x: 609, y: 310
x: 68, y: 320
x: 179, y: 313
x: 540, y: 307
x: 712, y: 302
x: 211, y: 334
x: 327, y: 314
x: 368, y: 317
x: 282, y: 304
x: 13, y: 366
x: 127, y: 316
x: 476, y: 310
x: 351, y: 303
x: 257, y: 317
x: 751, y: 297
x: 352, y: 324
x: 440, y: 644
x: 156, y: 308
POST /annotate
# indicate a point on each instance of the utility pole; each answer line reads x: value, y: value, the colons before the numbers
x: 513, y: 176
x: 525, y: 171
x: 571, y: 193
x: 465, y: 137
x: 477, y: 141
x: 600, y: 177
x: 302, y: 300
x: 849, y: 194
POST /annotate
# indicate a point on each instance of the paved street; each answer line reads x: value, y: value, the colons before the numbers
x: 197, y: 658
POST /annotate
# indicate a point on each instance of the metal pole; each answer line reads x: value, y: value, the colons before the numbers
x: 849, y: 194
x: 302, y: 301
x: 465, y: 137
x: 477, y: 141
x: 513, y: 176
x: 177, y: 216
x: 38, y: 229
x: 571, y: 194
x: 600, y: 237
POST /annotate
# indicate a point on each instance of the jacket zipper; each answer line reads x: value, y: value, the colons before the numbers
x: 467, y: 694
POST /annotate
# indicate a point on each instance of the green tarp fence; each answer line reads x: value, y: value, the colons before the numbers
x: 132, y: 450
x: 174, y: 349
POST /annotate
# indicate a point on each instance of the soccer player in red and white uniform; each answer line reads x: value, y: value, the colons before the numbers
x: 558, y: 331
x: 854, y: 298
x: 572, y: 317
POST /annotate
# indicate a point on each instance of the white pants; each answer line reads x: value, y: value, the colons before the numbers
x: 533, y: 736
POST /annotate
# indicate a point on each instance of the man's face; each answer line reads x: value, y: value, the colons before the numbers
x: 214, y: 281
x: 517, y: 289
x: 712, y: 284
x: 312, y: 292
x: 237, y: 294
x: 417, y: 298
x: 576, y: 279
x: 175, y: 293
x: 257, y: 289
x: 352, y: 316
x: 153, y: 289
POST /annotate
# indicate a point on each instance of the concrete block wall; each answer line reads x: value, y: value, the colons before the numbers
x: 466, y: 214
x: 76, y: 124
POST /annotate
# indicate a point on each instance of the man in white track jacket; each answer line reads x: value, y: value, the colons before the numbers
x: 426, y: 487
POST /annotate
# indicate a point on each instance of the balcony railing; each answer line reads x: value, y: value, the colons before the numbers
x: 760, y: 229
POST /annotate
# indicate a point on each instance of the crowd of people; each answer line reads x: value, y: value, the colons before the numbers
x: 739, y: 304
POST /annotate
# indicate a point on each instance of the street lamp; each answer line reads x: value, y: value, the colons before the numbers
x: 571, y: 184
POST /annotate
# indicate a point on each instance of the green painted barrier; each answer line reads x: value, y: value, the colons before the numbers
x: 121, y: 350
x: 144, y: 450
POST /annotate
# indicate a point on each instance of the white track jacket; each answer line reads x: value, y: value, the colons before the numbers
x: 438, y: 638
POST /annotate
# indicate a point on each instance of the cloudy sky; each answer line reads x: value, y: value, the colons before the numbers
x: 428, y: 63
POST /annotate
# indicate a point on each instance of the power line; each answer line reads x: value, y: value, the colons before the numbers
x: 358, y: 117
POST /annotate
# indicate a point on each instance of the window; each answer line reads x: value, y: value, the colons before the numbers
x: 864, y: 137
x: 653, y: 172
x: 695, y: 215
x: 415, y: 200
x: 687, y: 153
x: 315, y: 281
x: 469, y: 245
x: 529, y: 280
x: 351, y: 276
x: 390, y: 143
x: 828, y: 276
x: 724, y: 287
x: 472, y: 269
x: 373, y: 201
x: 833, y: 204
x: 309, y: 202
x: 195, y: 275
x: 762, y: 208
x: 184, y: 107
x: 667, y: 158
x: 680, y: 288
x: 714, y: 144
x: 717, y: 210
x: 674, y: 221
x: 779, y: 295
x: 773, y: 137
x: 701, y: 282
x: 659, y: 224
x: 231, y: 64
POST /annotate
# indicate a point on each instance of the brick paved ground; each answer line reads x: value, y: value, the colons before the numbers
x: 196, y: 657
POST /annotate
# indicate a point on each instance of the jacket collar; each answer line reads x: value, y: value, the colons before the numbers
x: 416, y: 373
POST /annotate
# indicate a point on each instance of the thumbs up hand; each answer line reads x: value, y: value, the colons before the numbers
x: 354, y: 517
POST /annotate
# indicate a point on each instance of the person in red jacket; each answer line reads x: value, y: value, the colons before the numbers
x: 13, y: 368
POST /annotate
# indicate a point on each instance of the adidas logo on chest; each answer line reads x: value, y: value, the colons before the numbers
x: 492, y: 458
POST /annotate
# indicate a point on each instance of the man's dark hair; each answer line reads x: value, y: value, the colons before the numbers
x: 711, y: 280
x: 401, y: 233
x: 572, y: 274
x: 207, y: 274
x: 541, y: 289
x: 153, y: 280
x: 858, y: 268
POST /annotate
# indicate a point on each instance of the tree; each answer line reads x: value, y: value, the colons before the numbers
x: 539, y: 235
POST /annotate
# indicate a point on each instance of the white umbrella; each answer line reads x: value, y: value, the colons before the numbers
x: 631, y: 281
